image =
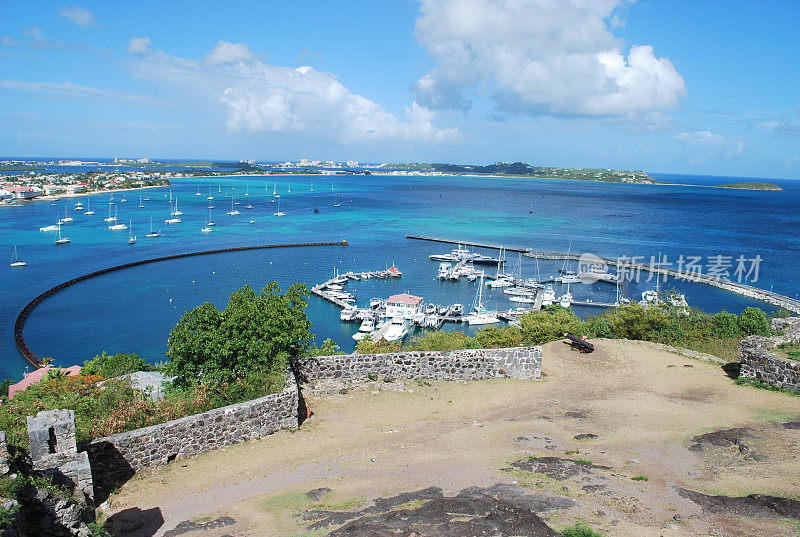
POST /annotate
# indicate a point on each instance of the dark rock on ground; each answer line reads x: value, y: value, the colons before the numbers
x: 754, y: 505
x: 725, y: 437
x: 522, y: 439
x: 500, y: 511
x: 791, y: 424
x: 585, y: 436
x: 697, y: 447
x: 188, y: 526
x: 577, y: 414
x: 556, y: 467
x: 688, y: 365
x: 317, y: 494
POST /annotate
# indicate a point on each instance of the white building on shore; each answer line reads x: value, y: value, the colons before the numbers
x: 403, y: 305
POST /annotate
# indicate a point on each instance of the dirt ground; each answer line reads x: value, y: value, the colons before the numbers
x: 645, y: 405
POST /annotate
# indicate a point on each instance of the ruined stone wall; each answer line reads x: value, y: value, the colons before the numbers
x: 757, y: 359
x: 118, y: 457
x: 471, y: 364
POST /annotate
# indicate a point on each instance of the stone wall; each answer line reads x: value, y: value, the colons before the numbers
x: 116, y: 458
x: 757, y: 359
x: 471, y: 364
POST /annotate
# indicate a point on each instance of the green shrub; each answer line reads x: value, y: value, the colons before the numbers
x: 580, y: 529
x: 726, y: 325
x: 754, y: 322
x: 550, y: 324
x: 492, y: 337
x: 115, y: 365
x: 367, y: 346
x: 599, y: 327
x: 640, y: 478
x: 442, y: 341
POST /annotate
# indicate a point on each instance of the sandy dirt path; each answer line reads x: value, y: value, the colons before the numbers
x: 643, y: 404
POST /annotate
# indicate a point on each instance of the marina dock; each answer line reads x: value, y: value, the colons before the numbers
x: 749, y: 291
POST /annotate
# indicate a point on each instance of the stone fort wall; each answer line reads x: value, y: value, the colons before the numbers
x: 118, y: 457
x: 757, y: 359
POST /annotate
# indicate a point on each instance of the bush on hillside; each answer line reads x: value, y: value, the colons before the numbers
x: 115, y: 365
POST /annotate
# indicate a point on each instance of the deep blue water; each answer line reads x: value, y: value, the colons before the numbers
x: 133, y: 310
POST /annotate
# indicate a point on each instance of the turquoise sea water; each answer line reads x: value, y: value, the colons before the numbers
x: 133, y: 310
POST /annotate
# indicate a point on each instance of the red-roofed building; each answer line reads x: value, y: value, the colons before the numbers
x: 403, y: 305
x: 36, y: 376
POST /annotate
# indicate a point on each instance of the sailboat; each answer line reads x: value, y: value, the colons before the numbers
x: 566, y: 299
x: 210, y: 197
x: 172, y: 218
x: 131, y: 237
x: 480, y: 314
x: 210, y: 221
x: 206, y: 229
x: 233, y: 212
x: 141, y: 205
x: 246, y: 190
x: 16, y: 262
x: 110, y: 218
x: 279, y: 212
x: 331, y: 185
x: 152, y: 233
x: 198, y: 191
x: 67, y: 218
x: 88, y: 212
x: 266, y: 185
x: 176, y: 212
x: 275, y: 191
x: 60, y: 239
x: 252, y: 221
x: 312, y: 185
x: 117, y: 226
x: 336, y: 200
x: 290, y: 190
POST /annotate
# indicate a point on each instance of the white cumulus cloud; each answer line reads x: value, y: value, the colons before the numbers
x: 536, y: 57
x: 226, y: 52
x: 77, y: 15
x: 711, y: 144
x: 139, y: 45
x: 258, y: 97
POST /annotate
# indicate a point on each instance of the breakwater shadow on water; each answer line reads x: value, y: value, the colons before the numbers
x: 19, y: 325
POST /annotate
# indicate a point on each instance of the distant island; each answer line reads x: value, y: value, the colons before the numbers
x: 750, y: 185
x: 521, y: 169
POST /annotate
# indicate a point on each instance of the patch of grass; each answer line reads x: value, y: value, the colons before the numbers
x: 640, y: 478
x: 413, y: 504
x: 290, y: 501
x: 344, y: 505
x: 572, y: 452
x: 583, y: 461
x: 580, y: 529
x: 743, y: 381
x: 791, y: 350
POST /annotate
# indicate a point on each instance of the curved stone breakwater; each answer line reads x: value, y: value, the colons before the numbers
x: 34, y: 360
x: 749, y: 291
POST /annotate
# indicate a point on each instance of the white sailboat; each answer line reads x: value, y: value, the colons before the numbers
x: 480, y: 314
x: 279, y: 212
x: 67, y: 218
x: 176, y: 212
x: 141, y: 205
x: 210, y: 221
x: 210, y: 197
x: 198, y: 191
x: 110, y: 218
x: 16, y: 262
x: 312, y: 185
x: 117, y: 225
x: 60, y: 239
x: 275, y: 191
x: 233, y: 212
x: 172, y: 218
x: 89, y: 211
x: 152, y: 234
x: 246, y: 190
x: 131, y: 237
x: 290, y: 190
x: 336, y: 200
x: 566, y: 299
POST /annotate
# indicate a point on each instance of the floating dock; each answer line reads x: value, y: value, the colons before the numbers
x: 749, y: 291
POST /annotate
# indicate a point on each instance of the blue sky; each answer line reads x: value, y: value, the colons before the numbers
x: 683, y: 87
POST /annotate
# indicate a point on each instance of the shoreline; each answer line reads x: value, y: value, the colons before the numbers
x: 20, y: 202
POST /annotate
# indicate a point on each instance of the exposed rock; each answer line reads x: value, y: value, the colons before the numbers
x: 501, y: 510
x: 189, y: 526
x: 522, y: 439
x: 791, y: 424
x: 725, y: 437
x: 577, y: 414
x: 317, y: 494
x: 585, y: 436
x: 556, y: 467
x: 754, y: 505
